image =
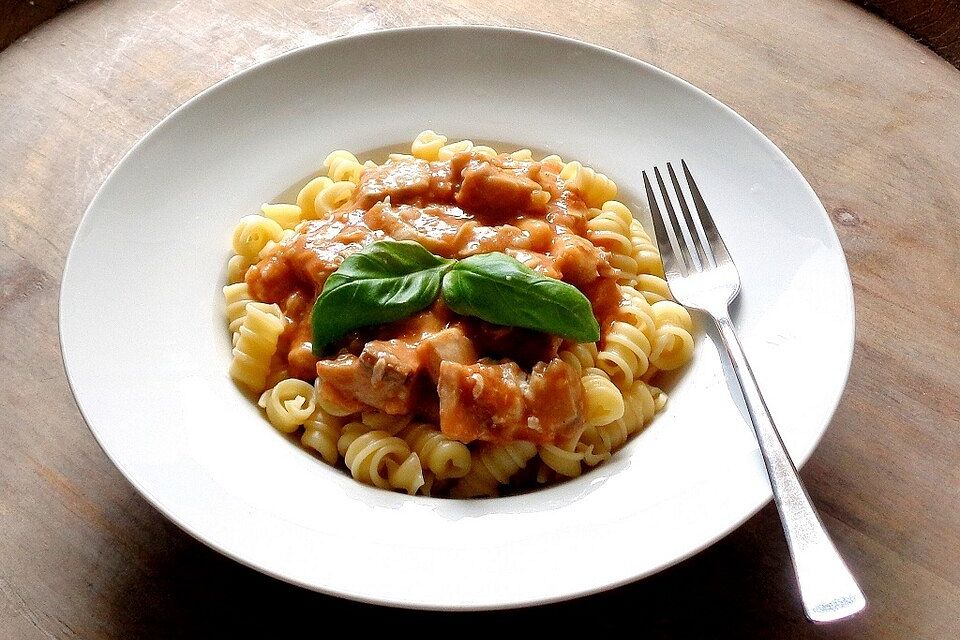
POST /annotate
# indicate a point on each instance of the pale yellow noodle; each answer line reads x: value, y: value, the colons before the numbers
x: 654, y: 288
x: 307, y: 197
x: 321, y: 431
x: 343, y: 166
x: 237, y: 268
x: 252, y: 233
x: 426, y: 145
x: 673, y: 345
x: 626, y: 353
x: 385, y: 422
x: 594, y: 187
x: 288, y: 404
x: 333, y: 197
x: 447, y: 151
x: 286, y: 215
x: 443, y: 457
x: 639, y: 408
x: 645, y: 253
x: 491, y: 466
x: 237, y: 296
x: 377, y: 458
x: 256, y: 343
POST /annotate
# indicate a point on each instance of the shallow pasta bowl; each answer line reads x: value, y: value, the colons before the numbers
x: 146, y: 352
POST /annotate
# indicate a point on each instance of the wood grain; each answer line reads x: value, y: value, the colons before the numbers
x: 17, y: 17
x: 935, y: 23
x: 868, y: 115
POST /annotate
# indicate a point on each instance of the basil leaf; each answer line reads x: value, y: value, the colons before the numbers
x: 499, y: 289
x: 383, y: 282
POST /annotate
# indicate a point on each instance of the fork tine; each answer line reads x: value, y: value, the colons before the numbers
x: 671, y: 265
x: 688, y: 259
x: 719, y: 249
x: 698, y: 242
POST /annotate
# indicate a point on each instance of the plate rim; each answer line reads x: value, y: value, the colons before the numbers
x: 564, y: 40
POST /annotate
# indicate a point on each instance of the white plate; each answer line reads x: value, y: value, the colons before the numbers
x: 146, y: 352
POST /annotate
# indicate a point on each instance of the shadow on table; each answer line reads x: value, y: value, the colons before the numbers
x: 740, y: 587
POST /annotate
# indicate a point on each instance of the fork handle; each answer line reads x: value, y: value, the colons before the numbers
x: 827, y: 588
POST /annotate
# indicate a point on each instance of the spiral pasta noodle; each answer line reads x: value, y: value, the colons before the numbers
x: 626, y: 352
x: 565, y: 461
x: 579, y: 355
x: 443, y: 457
x: 377, y: 458
x: 673, y: 345
x: 237, y: 269
x: 256, y: 343
x: 447, y: 151
x: 288, y: 404
x: 321, y: 432
x: 252, y: 233
x: 343, y: 166
x: 603, y: 401
x: 645, y: 253
x: 654, y: 288
x: 484, y: 151
x: 307, y: 196
x: 492, y: 466
x: 286, y: 215
x: 609, y: 227
x: 427, y: 144
x: 237, y: 297
x: 638, y: 312
x: 594, y: 187
x: 640, y: 405
x: 333, y: 197
x: 376, y: 420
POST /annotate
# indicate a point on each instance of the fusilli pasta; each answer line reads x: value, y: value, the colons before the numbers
x: 377, y: 458
x: 256, y: 344
x: 288, y: 404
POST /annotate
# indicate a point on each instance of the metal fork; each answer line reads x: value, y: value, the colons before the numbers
x: 704, y: 277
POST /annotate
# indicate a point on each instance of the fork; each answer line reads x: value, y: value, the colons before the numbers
x: 701, y: 275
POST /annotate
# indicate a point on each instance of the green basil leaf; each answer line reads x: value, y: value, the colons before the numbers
x: 499, y: 289
x: 383, y: 282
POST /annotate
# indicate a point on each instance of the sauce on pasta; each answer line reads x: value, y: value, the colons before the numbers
x: 438, y: 403
x: 467, y: 205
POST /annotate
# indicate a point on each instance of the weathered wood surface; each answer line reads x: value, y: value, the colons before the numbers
x: 869, y: 116
x: 935, y: 23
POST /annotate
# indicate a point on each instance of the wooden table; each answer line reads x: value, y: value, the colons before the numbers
x: 871, y: 118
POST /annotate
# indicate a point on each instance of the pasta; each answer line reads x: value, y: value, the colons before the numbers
x: 447, y: 151
x: 252, y: 233
x: 321, y: 432
x: 343, y: 166
x: 626, y: 354
x: 443, y: 404
x: 445, y: 458
x: 427, y: 145
x: 237, y: 268
x: 331, y: 198
x: 377, y: 458
x: 286, y: 215
x: 256, y: 344
x: 288, y: 404
x: 673, y: 345
x: 307, y: 197
x: 492, y: 466
x: 595, y: 187
x: 237, y: 297
x: 639, y: 408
